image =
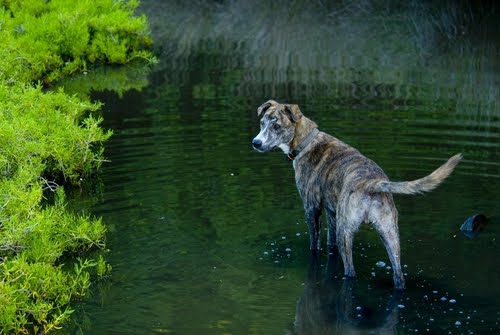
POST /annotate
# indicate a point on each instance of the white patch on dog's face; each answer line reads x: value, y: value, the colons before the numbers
x: 274, y: 132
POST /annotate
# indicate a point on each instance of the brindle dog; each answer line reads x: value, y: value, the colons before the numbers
x: 334, y: 176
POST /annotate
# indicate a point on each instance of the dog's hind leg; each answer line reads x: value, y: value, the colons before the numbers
x: 332, y: 230
x: 345, y: 239
x: 314, y: 225
x: 388, y: 231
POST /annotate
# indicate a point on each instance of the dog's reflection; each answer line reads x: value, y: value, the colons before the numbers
x: 329, y: 306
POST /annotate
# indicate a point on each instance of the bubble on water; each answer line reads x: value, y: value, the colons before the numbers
x: 373, y: 274
x: 298, y: 234
x: 431, y: 320
x: 276, y: 261
x: 387, y: 267
x: 359, y: 308
x: 283, y: 237
x: 443, y: 299
x: 359, y: 316
x: 380, y: 264
x: 458, y: 323
x: 288, y: 249
x: 266, y: 253
x: 452, y: 301
x: 435, y: 292
x: 401, y: 306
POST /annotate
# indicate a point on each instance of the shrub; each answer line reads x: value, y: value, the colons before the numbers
x: 44, y: 40
x: 49, y: 136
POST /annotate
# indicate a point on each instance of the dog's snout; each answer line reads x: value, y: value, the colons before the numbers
x: 256, y: 143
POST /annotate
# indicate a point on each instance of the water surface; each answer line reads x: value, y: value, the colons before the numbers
x: 207, y: 236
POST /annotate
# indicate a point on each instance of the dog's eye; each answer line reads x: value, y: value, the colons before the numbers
x: 276, y: 126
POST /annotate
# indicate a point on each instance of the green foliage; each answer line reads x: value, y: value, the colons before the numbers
x: 47, y: 137
x: 48, y: 39
x: 41, y: 138
x: 34, y: 296
x: 43, y: 128
x: 103, y: 269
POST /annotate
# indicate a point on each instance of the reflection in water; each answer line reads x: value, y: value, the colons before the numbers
x: 329, y: 306
x: 359, y: 52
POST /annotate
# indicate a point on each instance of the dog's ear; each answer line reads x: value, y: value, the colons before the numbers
x: 265, y: 106
x: 293, y: 112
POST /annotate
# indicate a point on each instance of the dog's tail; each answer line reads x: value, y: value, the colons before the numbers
x: 425, y: 184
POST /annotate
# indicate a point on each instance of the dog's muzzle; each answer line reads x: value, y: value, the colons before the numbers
x: 256, y: 144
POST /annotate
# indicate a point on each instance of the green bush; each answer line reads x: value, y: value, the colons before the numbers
x: 44, y: 40
x: 45, y: 127
x: 48, y: 137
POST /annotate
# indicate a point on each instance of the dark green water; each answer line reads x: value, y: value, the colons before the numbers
x: 207, y: 236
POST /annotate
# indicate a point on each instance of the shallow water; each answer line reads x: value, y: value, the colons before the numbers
x: 207, y: 236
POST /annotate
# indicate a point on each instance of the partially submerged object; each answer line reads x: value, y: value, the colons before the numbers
x: 474, y: 225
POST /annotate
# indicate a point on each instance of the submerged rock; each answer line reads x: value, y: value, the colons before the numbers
x: 473, y: 225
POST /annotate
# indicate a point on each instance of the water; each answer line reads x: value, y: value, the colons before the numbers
x: 207, y: 236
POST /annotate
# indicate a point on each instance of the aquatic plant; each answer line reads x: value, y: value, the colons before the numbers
x: 48, y: 139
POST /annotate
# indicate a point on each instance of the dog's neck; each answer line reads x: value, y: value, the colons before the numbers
x: 303, y: 131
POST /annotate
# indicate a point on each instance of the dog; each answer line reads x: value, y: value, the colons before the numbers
x: 336, y: 177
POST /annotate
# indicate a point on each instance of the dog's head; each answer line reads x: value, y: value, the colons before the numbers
x: 277, y: 126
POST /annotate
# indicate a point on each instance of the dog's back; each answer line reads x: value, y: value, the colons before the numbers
x: 330, y: 167
x: 336, y: 165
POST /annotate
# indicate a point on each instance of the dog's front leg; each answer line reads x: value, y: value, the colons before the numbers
x: 314, y: 224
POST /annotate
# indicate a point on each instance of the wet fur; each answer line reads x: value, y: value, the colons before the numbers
x: 352, y: 189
